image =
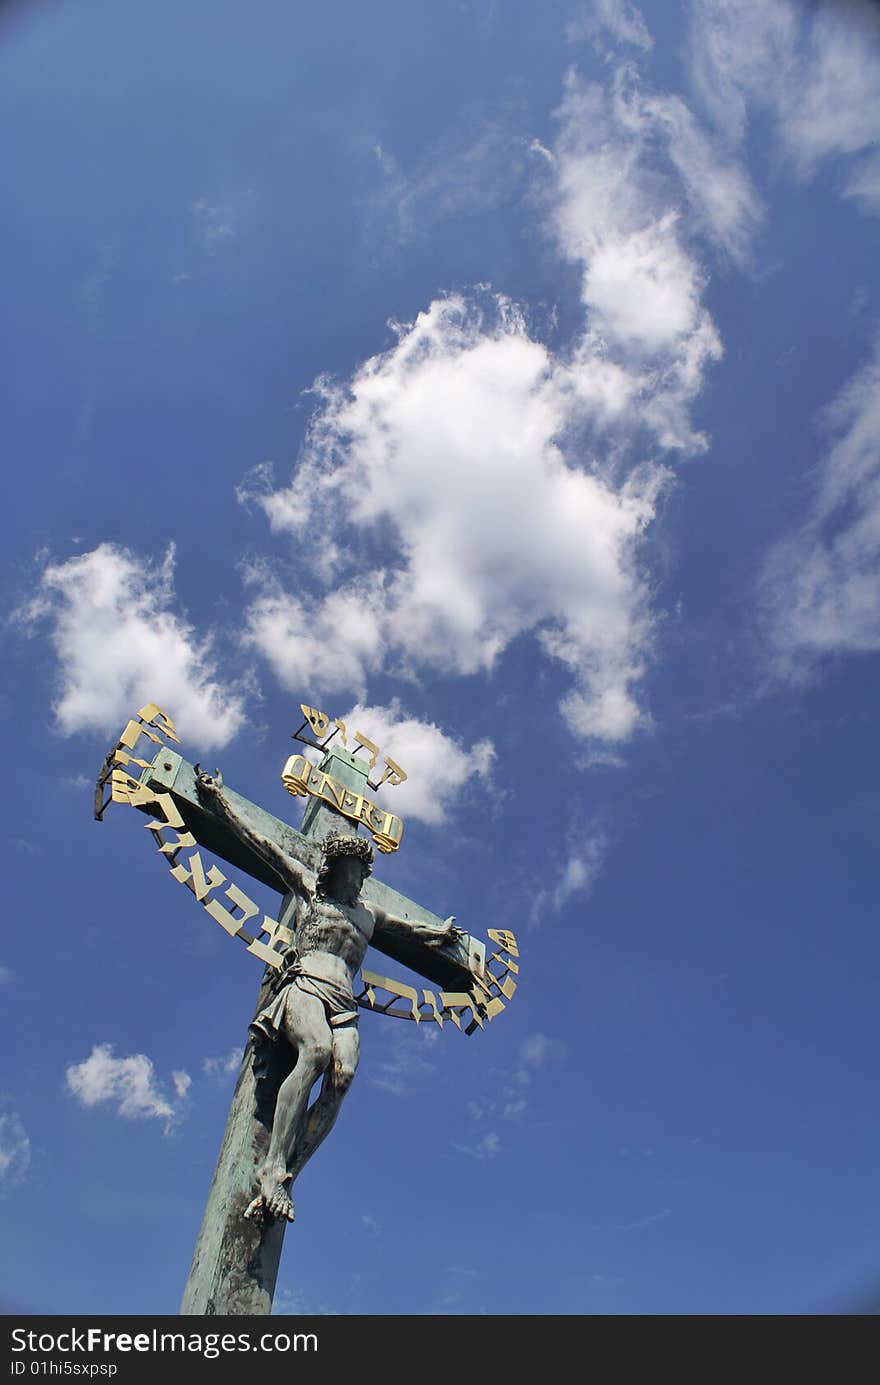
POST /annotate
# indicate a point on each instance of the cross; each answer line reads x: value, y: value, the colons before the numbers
x: 236, y: 1259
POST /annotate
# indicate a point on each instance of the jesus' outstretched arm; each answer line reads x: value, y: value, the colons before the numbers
x: 432, y: 935
x: 210, y: 790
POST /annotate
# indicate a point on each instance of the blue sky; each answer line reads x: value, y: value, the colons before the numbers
x: 512, y: 378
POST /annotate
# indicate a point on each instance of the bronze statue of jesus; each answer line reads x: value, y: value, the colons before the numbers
x: 313, y: 1005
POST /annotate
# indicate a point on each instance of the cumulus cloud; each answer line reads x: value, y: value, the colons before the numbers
x: 437, y: 766
x: 820, y: 589
x: 15, y: 1150
x: 468, y: 486
x: 448, y: 444
x: 120, y: 644
x: 129, y: 1083
x: 620, y: 222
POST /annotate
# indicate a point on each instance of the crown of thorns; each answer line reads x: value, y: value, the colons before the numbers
x: 334, y: 847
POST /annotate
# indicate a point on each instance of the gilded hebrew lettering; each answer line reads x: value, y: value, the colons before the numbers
x: 367, y: 745
x: 506, y: 939
x: 234, y: 926
x: 196, y: 879
x: 393, y: 775
x: 453, y: 1001
x: 429, y: 999
x: 300, y: 777
x: 319, y: 721
x: 397, y: 988
x: 493, y: 981
x: 296, y: 775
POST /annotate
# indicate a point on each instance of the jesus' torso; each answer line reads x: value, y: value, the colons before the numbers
x: 335, y: 935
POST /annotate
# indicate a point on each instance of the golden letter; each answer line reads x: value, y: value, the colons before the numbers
x: 234, y: 926
x: 319, y: 721
x: 430, y: 1000
x: 368, y: 745
x: 162, y: 722
x: 393, y: 774
x: 371, y: 979
x: 505, y: 938
x: 461, y: 1001
x: 295, y: 775
x: 195, y: 878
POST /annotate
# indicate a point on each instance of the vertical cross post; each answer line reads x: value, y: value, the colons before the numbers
x: 235, y: 1263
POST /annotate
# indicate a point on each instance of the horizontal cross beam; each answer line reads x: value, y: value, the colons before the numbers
x: 450, y: 966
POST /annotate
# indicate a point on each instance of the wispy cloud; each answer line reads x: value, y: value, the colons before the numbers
x: 815, y: 69
x: 403, y: 1067
x: 575, y: 875
x: 15, y: 1150
x: 820, y: 588
x: 223, y: 1067
x: 219, y: 221
x: 463, y: 175
x: 120, y: 644
x: 128, y: 1083
x: 486, y: 1148
x: 609, y: 23
x: 182, y: 1082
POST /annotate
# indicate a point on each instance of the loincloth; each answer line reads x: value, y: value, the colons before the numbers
x: 338, y: 1002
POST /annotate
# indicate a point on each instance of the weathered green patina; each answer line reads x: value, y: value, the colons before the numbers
x: 236, y: 1259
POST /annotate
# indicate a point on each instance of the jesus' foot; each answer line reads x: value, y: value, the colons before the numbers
x: 272, y: 1202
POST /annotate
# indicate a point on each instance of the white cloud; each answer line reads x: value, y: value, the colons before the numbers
x: 219, y: 222
x: 120, y: 644
x: 486, y: 1148
x: 578, y: 874
x: 222, y: 1067
x: 821, y: 586
x: 15, y: 1150
x: 617, y: 218
x: 832, y: 107
x: 620, y: 20
x: 448, y: 446
x: 404, y: 1066
x: 182, y: 1082
x: 437, y: 766
x: 537, y: 1050
x: 5, y: 975
x: 739, y: 48
x: 128, y: 1082
x: 467, y: 487
x: 462, y: 175
x: 816, y: 70
x: 717, y: 186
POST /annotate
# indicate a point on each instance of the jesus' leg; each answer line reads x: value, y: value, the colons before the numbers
x: 322, y: 1113
x: 306, y: 1027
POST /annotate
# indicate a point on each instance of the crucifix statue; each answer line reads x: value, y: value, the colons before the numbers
x: 304, y: 1030
x: 312, y: 1005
